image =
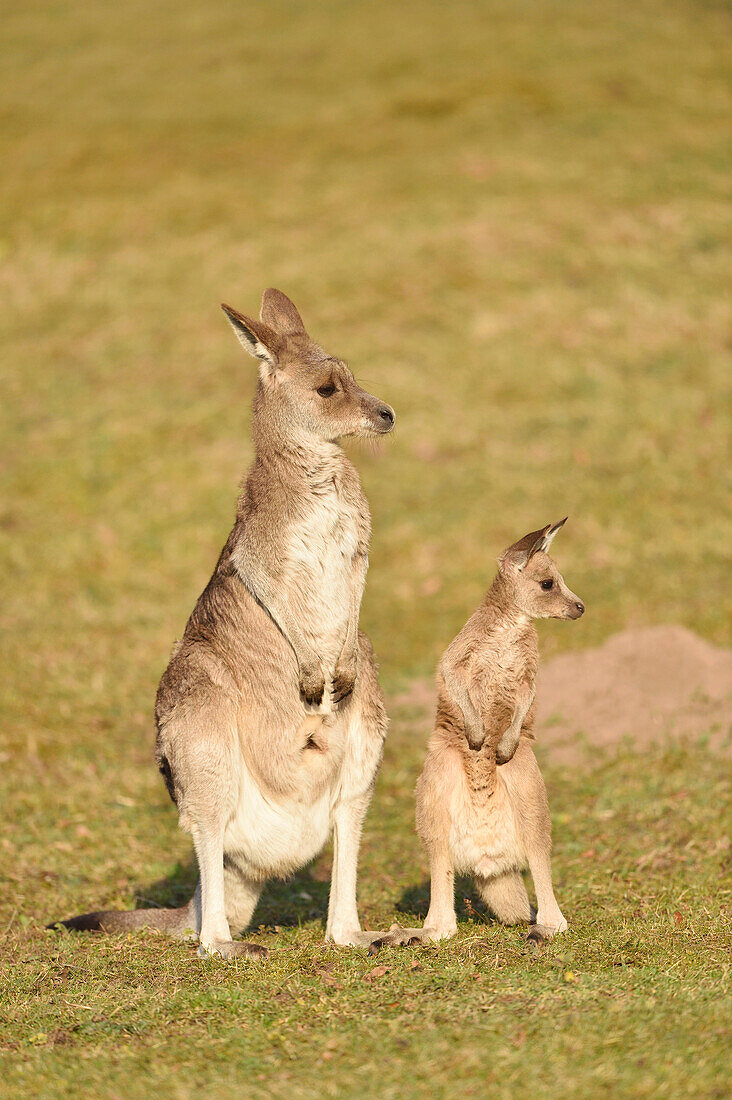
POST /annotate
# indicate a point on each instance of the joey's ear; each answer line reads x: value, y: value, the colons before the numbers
x: 258, y: 339
x: 280, y: 313
x: 551, y: 531
x: 519, y: 555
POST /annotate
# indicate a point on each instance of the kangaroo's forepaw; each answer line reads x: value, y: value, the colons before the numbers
x: 344, y: 682
x: 312, y: 685
x: 231, y: 949
x: 505, y: 753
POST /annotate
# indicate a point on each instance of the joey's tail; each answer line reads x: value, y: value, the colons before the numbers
x: 175, y: 922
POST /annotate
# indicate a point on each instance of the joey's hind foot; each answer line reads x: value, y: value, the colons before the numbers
x: 539, y: 934
x: 409, y: 937
x: 230, y: 949
x: 357, y: 938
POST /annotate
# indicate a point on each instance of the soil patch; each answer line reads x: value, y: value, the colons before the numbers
x: 647, y: 685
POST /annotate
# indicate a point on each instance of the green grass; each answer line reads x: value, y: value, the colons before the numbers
x: 634, y: 1001
x: 512, y: 220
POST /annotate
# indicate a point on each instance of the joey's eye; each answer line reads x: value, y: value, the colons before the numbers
x: 327, y: 390
x: 546, y: 585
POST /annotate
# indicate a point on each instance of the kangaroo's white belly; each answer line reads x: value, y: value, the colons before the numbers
x: 272, y: 838
x: 485, y: 841
x: 273, y: 833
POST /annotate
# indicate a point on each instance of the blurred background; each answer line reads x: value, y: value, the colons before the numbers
x: 511, y: 220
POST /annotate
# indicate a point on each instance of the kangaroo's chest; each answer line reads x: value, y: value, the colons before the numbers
x: 502, y: 667
x: 320, y: 555
x: 324, y: 541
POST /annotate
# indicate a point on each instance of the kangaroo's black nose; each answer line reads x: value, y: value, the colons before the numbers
x: 580, y: 607
x: 387, y: 415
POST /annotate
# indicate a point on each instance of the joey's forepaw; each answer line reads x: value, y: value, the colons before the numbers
x: 503, y: 757
x: 344, y: 682
x: 475, y: 737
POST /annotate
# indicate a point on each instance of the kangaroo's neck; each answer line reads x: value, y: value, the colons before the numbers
x: 290, y: 454
x: 501, y: 611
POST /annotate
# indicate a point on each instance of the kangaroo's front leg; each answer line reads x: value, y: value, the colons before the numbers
x: 458, y: 690
x: 344, y: 678
x: 273, y: 599
x: 509, y: 741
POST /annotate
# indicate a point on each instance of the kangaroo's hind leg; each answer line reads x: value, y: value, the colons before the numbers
x: 441, y: 776
x: 365, y: 724
x: 215, y: 934
x: 241, y: 895
x: 203, y: 763
x: 531, y: 807
x: 343, y: 924
x: 441, y: 921
x: 506, y: 897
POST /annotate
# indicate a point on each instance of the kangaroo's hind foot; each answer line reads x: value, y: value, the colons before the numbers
x: 539, y: 934
x: 231, y: 949
x: 410, y: 937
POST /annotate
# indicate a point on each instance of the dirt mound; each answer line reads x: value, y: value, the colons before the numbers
x: 649, y: 685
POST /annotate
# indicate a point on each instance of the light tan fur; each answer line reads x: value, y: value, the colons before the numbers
x: 270, y: 717
x: 481, y: 802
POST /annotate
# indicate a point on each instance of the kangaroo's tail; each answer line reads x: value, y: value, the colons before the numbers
x: 175, y: 922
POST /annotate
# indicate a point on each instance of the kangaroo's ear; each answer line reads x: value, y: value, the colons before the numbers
x: 550, y: 532
x: 280, y: 313
x: 258, y: 339
x: 518, y: 556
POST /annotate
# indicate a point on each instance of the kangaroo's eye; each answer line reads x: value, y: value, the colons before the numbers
x: 327, y: 390
x: 546, y: 585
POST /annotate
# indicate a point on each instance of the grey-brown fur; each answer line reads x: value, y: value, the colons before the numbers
x: 481, y: 801
x: 270, y: 717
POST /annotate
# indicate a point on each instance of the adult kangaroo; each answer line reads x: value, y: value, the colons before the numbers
x: 270, y: 718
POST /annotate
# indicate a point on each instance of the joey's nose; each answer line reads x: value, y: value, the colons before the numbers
x: 580, y: 608
x: 386, y: 418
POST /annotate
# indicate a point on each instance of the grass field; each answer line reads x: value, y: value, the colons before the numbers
x: 513, y: 221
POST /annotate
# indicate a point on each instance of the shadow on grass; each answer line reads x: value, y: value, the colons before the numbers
x: 415, y: 901
x: 289, y: 904
x: 304, y: 898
